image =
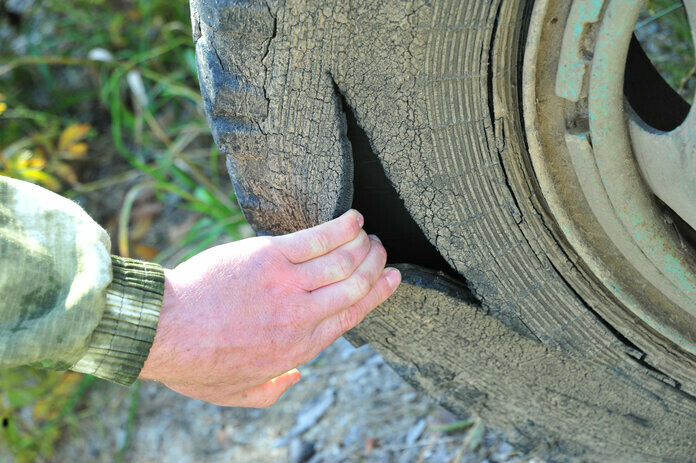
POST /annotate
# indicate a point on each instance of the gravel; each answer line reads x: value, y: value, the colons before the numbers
x: 348, y: 407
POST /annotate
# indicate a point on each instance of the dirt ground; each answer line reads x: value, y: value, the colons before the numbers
x: 349, y: 407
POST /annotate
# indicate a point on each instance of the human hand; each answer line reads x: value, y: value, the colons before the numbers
x: 236, y: 319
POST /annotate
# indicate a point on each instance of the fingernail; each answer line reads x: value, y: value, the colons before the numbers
x: 393, y: 277
x: 374, y: 238
x: 361, y: 220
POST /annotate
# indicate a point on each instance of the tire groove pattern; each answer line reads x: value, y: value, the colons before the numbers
x: 613, y: 428
x: 277, y: 123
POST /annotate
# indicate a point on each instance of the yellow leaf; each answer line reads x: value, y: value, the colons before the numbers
x: 3, y: 107
x: 21, y: 159
x: 145, y: 252
x: 75, y: 151
x: 38, y: 176
x: 140, y: 228
x: 67, y: 383
x: 65, y: 172
x: 36, y: 163
x: 72, y: 134
x: 44, y: 410
x: 28, y: 160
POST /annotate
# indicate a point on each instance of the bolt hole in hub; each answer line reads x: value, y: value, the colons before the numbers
x: 613, y: 148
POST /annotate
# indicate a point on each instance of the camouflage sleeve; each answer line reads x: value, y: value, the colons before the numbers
x: 65, y: 303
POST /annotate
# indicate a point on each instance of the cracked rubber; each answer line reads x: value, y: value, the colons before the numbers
x: 320, y: 105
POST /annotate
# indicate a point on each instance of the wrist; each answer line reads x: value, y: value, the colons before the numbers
x: 155, y: 364
x: 121, y: 342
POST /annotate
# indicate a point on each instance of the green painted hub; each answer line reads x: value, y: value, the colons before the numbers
x: 589, y: 178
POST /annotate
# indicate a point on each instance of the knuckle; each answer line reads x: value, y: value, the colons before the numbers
x: 344, y: 264
x: 362, y: 284
x: 381, y: 252
x: 265, y: 244
x: 344, y: 323
x: 364, y: 243
x: 362, y: 237
x: 348, y: 320
x: 319, y: 243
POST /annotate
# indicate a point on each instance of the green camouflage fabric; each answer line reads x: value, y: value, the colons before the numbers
x: 65, y: 302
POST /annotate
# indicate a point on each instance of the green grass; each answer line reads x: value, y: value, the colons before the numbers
x: 146, y: 100
x: 144, y: 132
x: 663, y: 30
x: 36, y: 407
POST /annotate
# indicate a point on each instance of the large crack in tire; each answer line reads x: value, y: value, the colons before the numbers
x: 384, y: 210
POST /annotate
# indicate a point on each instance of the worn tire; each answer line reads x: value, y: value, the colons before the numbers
x: 408, y: 110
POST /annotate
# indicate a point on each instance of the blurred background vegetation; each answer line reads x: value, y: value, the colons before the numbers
x: 663, y: 31
x: 99, y: 102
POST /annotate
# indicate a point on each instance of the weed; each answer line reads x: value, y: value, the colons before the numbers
x: 35, y: 407
x: 45, y: 157
x: 93, y: 80
x: 663, y: 30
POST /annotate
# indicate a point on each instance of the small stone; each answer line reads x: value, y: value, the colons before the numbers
x: 444, y: 417
x: 312, y: 411
x: 352, y: 437
x: 415, y: 432
x: 346, y: 349
x: 370, y: 444
x: 221, y: 437
x: 100, y: 54
x: 120, y: 438
x: 301, y: 451
x: 375, y: 360
x: 409, y: 397
x: 356, y: 374
x: 502, y: 452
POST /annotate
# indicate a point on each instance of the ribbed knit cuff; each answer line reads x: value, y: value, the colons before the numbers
x: 121, y: 342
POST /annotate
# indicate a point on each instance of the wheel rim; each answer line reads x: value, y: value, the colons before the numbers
x: 667, y: 158
x: 591, y: 153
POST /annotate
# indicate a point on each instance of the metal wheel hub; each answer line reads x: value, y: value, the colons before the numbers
x: 667, y: 159
x: 605, y: 174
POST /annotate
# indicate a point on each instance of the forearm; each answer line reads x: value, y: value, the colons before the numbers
x: 62, y: 306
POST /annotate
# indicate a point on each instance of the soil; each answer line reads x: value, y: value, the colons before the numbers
x: 350, y: 406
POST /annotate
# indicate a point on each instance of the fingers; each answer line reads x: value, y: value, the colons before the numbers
x: 333, y: 327
x: 335, y: 266
x: 266, y: 394
x: 308, y: 244
x: 333, y: 298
